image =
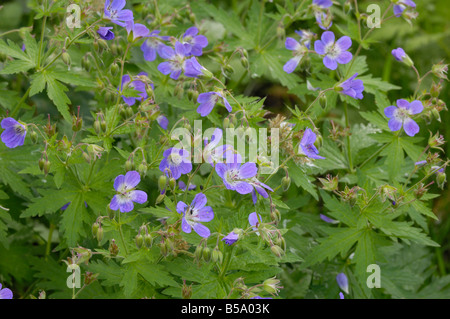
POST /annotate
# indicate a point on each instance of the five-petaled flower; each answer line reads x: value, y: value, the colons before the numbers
x: 5, y: 293
x: 193, y: 69
x: 335, y: 52
x: 352, y: 87
x: 176, y: 58
x: 193, y: 42
x: 400, y: 115
x: 208, y: 100
x: 402, y: 5
x: 151, y: 45
x: 105, y: 33
x: 175, y: 162
x: 14, y: 133
x: 215, y: 153
x: 136, y: 85
x: 194, y: 214
x: 114, y: 12
x: 231, y: 238
x: 126, y: 192
x: 235, y: 176
x: 307, y: 147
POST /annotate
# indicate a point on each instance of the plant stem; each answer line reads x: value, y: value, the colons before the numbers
x: 121, y: 234
x: 349, y: 151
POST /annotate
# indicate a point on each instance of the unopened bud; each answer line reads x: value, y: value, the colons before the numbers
x: 172, y: 183
x: 142, y: 168
x: 99, y: 234
x: 139, y: 240
x: 277, y: 251
x: 95, y: 228
x: 148, y: 240
x: 217, y: 256
x: 66, y: 58
x: 97, y: 127
x: 162, y: 182
x: 206, y: 254
x: 160, y: 198
x: 323, y: 101
x: 129, y: 165
x: 285, y: 183
x: 34, y: 137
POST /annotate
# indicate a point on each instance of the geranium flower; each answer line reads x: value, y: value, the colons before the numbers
x: 194, y: 43
x: 138, y: 86
x: 335, y: 52
x: 105, y: 33
x: 137, y: 30
x: 193, y: 69
x: 231, y: 238
x: 402, y: 5
x: 208, y: 101
x: 401, y: 116
x: 151, y: 45
x: 14, y: 133
x: 5, y: 293
x: 113, y: 11
x: 126, y: 193
x: 235, y: 176
x: 162, y: 121
x: 175, y: 162
x: 176, y: 58
x: 352, y: 87
x: 194, y: 214
x: 307, y: 147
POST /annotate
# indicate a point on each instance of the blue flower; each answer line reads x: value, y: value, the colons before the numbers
x: 402, y: 5
x: 105, y: 33
x: 194, y: 43
x: 138, y: 86
x: 194, y: 214
x: 352, y: 87
x: 14, y: 133
x: 401, y: 116
x: 307, y: 145
x: 113, y: 11
x: 328, y: 219
x: 126, y: 193
x: 208, y: 101
x: 235, y: 175
x: 176, y: 58
x: 231, y: 238
x: 162, y: 121
x: 193, y: 69
x: 334, y: 52
x: 5, y: 293
x: 151, y: 45
x: 175, y: 162
x: 323, y: 4
x: 137, y: 30
x: 342, y: 281
x: 298, y: 53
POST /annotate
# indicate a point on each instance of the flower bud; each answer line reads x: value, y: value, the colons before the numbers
x: 441, y: 178
x: 114, y: 69
x: 129, y: 165
x: 228, y: 70
x: 172, y: 183
x: 95, y: 228
x: 244, y: 62
x: 66, y: 58
x: 217, y: 256
x: 46, y: 167
x: 139, y: 240
x: 280, y: 31
x: 277, y: 251
x: 323, y: 101
x: 148, y: 240
x: 99, y: 234
x: 198, y: 254
x: 142, y: 168
x: 271, y: 285
x: 186, y: 291
x: 41, y: 164
x: 440, y: 70
x: 129, y: 111
x: 33, y: 137
x: 285, y: 183
x: 160, y: 198
x: 206, y: 254
x: 97, y: 127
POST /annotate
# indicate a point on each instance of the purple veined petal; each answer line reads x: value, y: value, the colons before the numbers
x: 117, y: 4
x: 390, y: 111
x: 163, y: 121
x: 176, y: 74
x: 185, y: 226
x: 415, y: 107
x: 202, y: 230
x: 149, y: 51
x: 231, y: 238
x: 342, y: 281
x: 292, y: 64
x: 132, y: 178
x: 345, y: 57
x: 205, y: 108
x: 10, y: 138
x: 5, y: 293
x: 140, y: 30
x: 126, y: 206
x: 181, y: 207
x: 254, y: 197
x: 243, y: 188
x: 292, y: 44
x: 261, y: 191
x: 8, y: 122
x: 398, y: 10
x: 248, y: 170
x: 403, y: 103
x: 182, y: 185
x: 227, y: 105
x: 106, y: 33
x: 344, y: 43
x: 411, y: 127
x: 138, y: 196
x: 125, y: 15
x: 319, y: 47
x: 395, y: 124
x: 179, y: 49
x: 327, y: 37
x: 191, y: 32
x: 221, y: 169
x: 125, y: 79
x: 330, y: 63
x: 114, y: 204
x: 205, y: 214
x: 201, y: 41
x: 185, y: 168
x: 165, y: 51
x: 253, y: 219
x: 309, y: 137
x: 199, y: 201
x: 165, y: 68
x: 205, y: 97
x: 323, y: 3
x: 399, y: 54
x: 216, y: 137
x: 119, y: 182
x: 196, y: 51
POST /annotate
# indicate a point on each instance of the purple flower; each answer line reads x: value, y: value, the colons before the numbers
x: 335, y: 52
x: 254, y: 221
x: 441, y: 170
x: 176, y: 59
x: 235, y: 175
x: 420, y: 163
x: 5, y: 293
x: 194, y: 43
x: 138, y: 30
x: 214, y: 153
x: 182, y: 186
x: 323, y: 19
x: 352, y: 87
x: 137, y: 85
x: 341, y: 295
x: 402, y: 5
x: 323, y: 3
x: 401, y: 116
x: 113, y: 11
x: 399, y: 54
x: 151, y: 45
x: 328, y: 219
x: 342, y: 281
x: 106, y: 33
x: 231, y: 238
x: 307, y: 145
x: 298, y: 52
x: 194, y: 214
x: 126, y: 193
x: 193, y: 69
x: 306, y: 37
x: 14, y: 133
x: 175, y: 162
x: 162, y: 121
x: 260, y: 188
x: 208, y: 101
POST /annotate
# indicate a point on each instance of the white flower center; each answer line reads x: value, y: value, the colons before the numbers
x: 332, y: 50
